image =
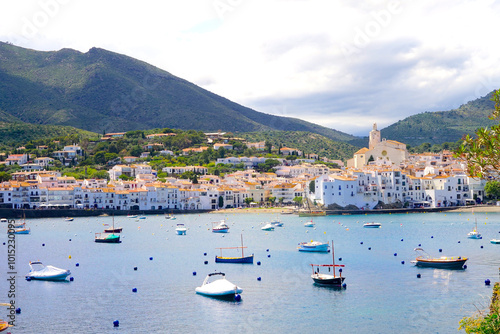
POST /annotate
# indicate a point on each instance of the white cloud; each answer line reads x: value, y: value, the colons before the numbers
x: 341, y: 64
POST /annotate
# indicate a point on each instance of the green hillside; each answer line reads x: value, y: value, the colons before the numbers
x: 102, y: 91
x: 306, y: 142
x: 442, y: 126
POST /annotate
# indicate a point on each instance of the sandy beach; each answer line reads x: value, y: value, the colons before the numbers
x: 478, y: 208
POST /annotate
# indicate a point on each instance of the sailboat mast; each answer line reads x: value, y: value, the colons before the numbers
x: 242, y: 246
x: 333, y: 257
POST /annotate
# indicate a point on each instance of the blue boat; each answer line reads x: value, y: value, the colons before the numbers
x: 239, y: 259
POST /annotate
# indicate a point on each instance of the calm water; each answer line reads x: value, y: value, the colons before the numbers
x: 382, y: 295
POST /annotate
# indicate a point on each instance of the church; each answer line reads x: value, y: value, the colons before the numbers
x: 381, y: 152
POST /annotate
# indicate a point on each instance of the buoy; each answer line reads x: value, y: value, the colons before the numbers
x: 419, y: 245
x: 206, y: 262
x: 77, y: 264
x: 361, y: 243
x: 43, y: 245
x: 369, y: 248
x: 258, y: 278
x: 267, y: 250
x: 135, y: 268
x: 440, y: 250
x: 481, y: 246
x: 151, y: 259
x: 237, y: 297
x: 258, y: 263
x: 134, y: 290
x: 69, y: 239
x: 432, y: 237
x: 268, y: 255
x: 194, y: 273
x: 28, y: 278
x: 344, y: 285
x: 418, y: 276
x: 71, y: 279
x: 458, y: 241
x: 69, y: 257
x: 340, y: 259
x: 487, y: 282
x: 18, y: 310
x: 465, y: 266
x: 205, y: 254
x: 395, y: 254
x: 116, y: 323
x: 401, y: 239
x: 340, y: 270
x: 402, y: 262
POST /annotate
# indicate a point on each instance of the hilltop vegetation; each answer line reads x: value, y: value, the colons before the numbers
x: 102, y: 91
x: 443, y: 126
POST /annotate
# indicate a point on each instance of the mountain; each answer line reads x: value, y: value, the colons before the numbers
x: 103, y: 91
x: 442, y: 126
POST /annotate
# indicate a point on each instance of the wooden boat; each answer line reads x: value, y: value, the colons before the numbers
x: 327, y: 279
x: 4, y: 325
x: 313, y: 246
x: 312, y: 213
x: 221, y: 227
x: 372, y: 225
x: 239, y: 259
x: 47, y: 273
x: 108, y: 238
x: 113, y: 229
x: 425, y: 260
x: 220, y: 288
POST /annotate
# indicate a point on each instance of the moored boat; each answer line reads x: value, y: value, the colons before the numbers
x: 132, y: 216
x: 219, y: 288
x: 309, y: 224
x: 108, y: 238
x: 22, y: 230
x: 328, y: 279
x: 372, y: 225
x: 47, y: 273
x: 180, y: 229
x: 3, y: 220
x: 238, y: 259
x: 313, y: 246
x: 221, y: 227
x: 267, y: 227
x: 425, y: 260
x: 474, y: 234
x: 69, y: 219
x: 4, y: 325
x: 495, y: 241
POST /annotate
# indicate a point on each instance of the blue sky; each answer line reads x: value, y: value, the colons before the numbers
x: 341, y: 64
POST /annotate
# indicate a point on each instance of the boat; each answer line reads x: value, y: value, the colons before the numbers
x: 372, y: 225
x: 19, y: 225
x: 109, y: 238
x: 69, y: 219
x: 474, y: 234
x: 242, y: 259
x: 425, y: 260
x: 132, y: 216
x: 495, y: 241
x: 267, y: 227
x: 4, y: 325
x: 113, y: 229
x: 22, y: 230
x: 180, y: 229
x: 3, y: 220
x: 170, y: 216
x: 328, y: 279
x: 309, y: 224
x: 277, y: 222
x: 311, y: 213
x: 47, y: 273
x: 221, y: 227
x: 142, y: 217
x: 313, y: 246
x: 219, y: 288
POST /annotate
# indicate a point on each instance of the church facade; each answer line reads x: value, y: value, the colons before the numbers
x: 381, y: 152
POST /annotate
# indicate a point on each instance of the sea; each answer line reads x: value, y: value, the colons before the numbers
x: 382, y: 295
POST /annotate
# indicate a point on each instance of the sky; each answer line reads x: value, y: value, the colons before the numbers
x: 341, y: 64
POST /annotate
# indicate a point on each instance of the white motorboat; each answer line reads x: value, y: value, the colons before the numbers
x: 221, y: 227
x: 372, y: 225
x: 267, y: 227
x: 180, y: 229
x: 495, y: 241
x: 474, y: 234
x: 3, y: 220
x: 309, y: 224
x: 218, y: 288
x: 48, y: 273
x: 313, y: 246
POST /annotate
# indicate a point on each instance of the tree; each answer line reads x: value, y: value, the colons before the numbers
x: 221, y: 201
x: 272, y: 200
x: 248, y: 200
x: 492, y: 188
x: 482, y: 152
x: 297, y: 200
x: 4, y: 176
x: 312, y: 186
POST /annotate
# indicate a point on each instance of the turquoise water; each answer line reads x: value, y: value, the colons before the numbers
x: 382, y: 295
